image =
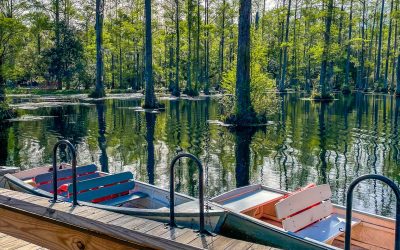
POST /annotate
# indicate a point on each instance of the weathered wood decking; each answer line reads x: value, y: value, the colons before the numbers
x: 35, y: 220
x: 9, y: 242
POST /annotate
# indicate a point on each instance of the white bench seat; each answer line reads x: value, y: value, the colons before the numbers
x: 326, y: 229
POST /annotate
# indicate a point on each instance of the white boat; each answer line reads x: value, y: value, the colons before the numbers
x: 305, y: 219
x: 115, y: 192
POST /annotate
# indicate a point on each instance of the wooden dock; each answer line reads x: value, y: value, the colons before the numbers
x: 32, y: 222
x: 9, y: 242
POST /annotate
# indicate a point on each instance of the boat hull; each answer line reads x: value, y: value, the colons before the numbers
x: 239, y: 227
x: 183, y: 217
x: 247, y: 205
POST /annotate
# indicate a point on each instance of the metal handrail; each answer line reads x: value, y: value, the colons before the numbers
x: 349, y: 205
x: 172, y: 223
x: 55, y: 186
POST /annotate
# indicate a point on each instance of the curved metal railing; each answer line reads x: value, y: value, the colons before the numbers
x: 55, y: 184
x: 172, y: 223
x: 392, y: 185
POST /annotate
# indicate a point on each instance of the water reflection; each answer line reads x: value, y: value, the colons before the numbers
x: 150, y: 124
x: 101, y: 120
x: 308, y: 142
x: 242, y: 155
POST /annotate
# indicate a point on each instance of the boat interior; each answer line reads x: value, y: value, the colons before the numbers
x: 308, y: 213
x: 118, y: 189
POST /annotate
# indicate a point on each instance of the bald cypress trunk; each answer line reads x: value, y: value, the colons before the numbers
x: 207, y: 48
x: 285, y: 56
x: 347, y: 76
x: 325, y: 55
x: 176, y: 90
x: 385, y: 81
x: 57, y: 34
x: 244, y: 109
x: 99, y: 91
x: 197, y: 82
x: 189, y: 59
x: 378, y: 63
x: 222, y: 42
x: 149, y: 99
x: 362, y: 59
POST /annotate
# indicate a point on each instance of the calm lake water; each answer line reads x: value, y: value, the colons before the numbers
x: 307, y: 142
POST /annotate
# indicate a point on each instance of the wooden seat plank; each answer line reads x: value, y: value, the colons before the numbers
x: 49, y: 187
x: 302, y: 200
x: 102, y: 181
x: 64, y: 173
x: 106, y: 191
x: 307, y: 217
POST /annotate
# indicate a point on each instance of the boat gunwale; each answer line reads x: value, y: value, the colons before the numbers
x: 126, y: 210
x: 255, y: 187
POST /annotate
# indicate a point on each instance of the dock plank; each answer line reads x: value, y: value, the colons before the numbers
x: 35, y: 219
x: 8, y: 242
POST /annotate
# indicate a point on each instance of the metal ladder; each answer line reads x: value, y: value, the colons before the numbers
x: 55, y: 184
x: 202, y: 230
x: 349, y: 204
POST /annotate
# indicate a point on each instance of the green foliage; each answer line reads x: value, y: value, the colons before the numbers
x: 6, y: 112
x: 262, y: 85
x: 67, y: 59
x: 11, y: 42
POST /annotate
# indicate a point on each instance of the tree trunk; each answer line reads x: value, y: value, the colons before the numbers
x: 294, y: 58
x: 170, y: 68
x: 378, y: 64
x: 2, y: 83
x: 207, y: 62
x: 149, y: 99
x: 346, y: 81
x: 198, y: 47
x: 370, y: 47
x: 121, y: 84
x: 325, y: 55
x: 280, y: 40
x: 392, y: 82
x: 57, y: 34
x: 189, y: 59
x: 99, y: 91
x: 285, y: 59
x: 222, y: 43
x: 176, y: 89
x: 244, y: 109
x: 398, y: 76
x: 112, y: 71
x: 385, y: 81
x: 362, y: 61
x: 341, y: 23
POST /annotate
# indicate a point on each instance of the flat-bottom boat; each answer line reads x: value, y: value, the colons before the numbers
x: 305, y: 219
x: 115, y: 192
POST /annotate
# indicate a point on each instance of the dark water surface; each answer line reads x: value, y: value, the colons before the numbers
x: 307, y: 142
